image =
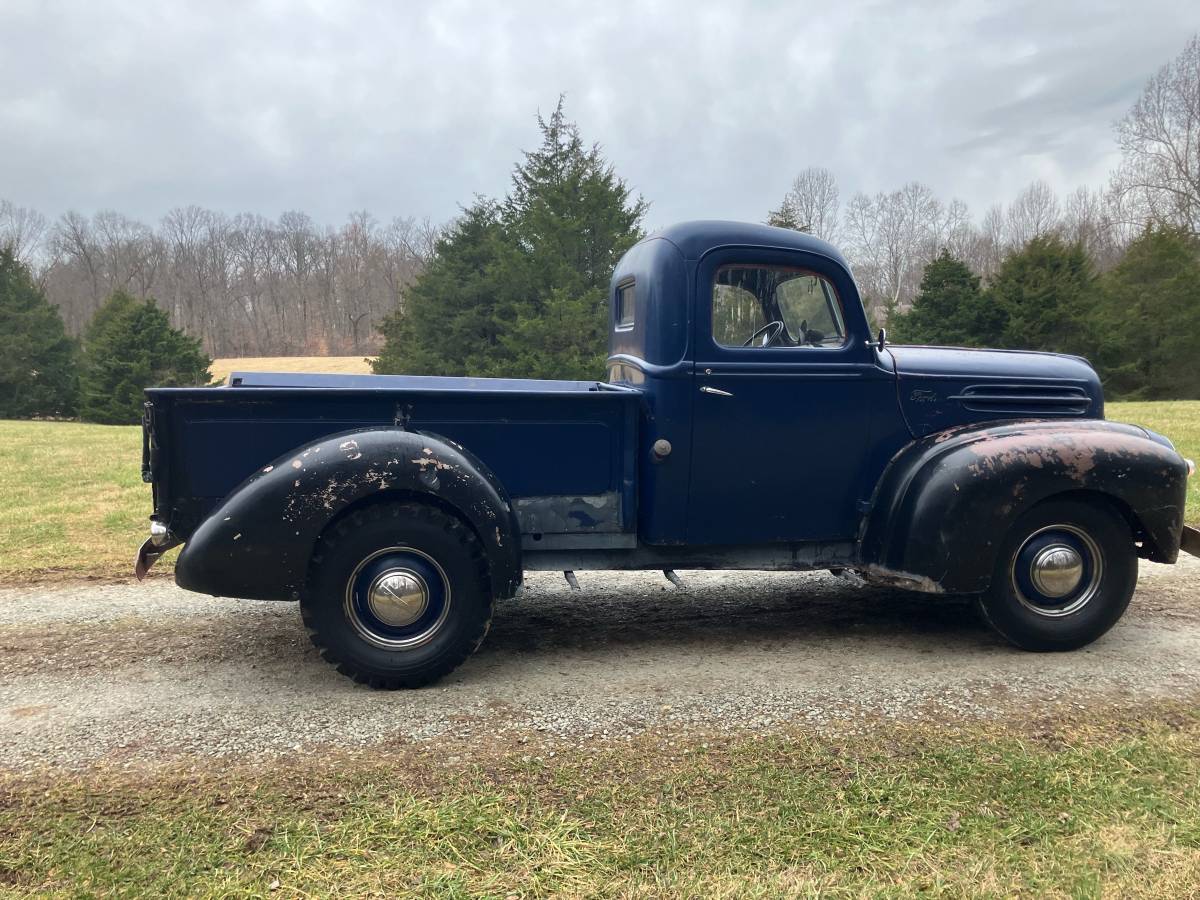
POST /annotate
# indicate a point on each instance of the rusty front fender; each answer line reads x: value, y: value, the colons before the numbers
x: 946, y: 501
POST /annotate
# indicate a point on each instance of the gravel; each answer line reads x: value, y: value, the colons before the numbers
x: 130, y: 674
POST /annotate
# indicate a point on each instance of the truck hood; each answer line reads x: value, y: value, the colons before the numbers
x: 940, y: 387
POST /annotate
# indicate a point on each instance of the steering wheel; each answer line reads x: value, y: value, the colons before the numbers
x: 770, y: 332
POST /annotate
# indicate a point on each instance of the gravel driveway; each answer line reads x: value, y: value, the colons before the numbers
x: 134, y: 674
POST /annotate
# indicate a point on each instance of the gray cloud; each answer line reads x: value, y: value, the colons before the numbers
x: 707, y: 109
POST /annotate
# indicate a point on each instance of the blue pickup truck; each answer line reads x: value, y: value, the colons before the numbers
x: 749, y: 420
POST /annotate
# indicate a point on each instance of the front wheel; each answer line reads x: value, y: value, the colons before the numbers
x: 397, y: 595
x: 1065, y: 574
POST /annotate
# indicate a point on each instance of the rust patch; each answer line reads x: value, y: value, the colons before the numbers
x: 425, y: 461
x: 880, y: 575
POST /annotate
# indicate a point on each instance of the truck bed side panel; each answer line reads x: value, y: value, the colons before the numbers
x: 565, y: 445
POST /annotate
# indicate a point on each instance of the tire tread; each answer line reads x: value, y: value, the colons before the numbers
x: 408, y: 510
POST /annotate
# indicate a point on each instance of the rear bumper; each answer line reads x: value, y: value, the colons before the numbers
x: 149, y: 553
x: 1190, y: 542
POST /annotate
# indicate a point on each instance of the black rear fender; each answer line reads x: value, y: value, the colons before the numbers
x: 946, y: 501
x: 257, y: 544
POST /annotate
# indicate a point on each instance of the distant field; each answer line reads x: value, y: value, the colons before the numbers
x: 340, y: 365
x: 72, y: 503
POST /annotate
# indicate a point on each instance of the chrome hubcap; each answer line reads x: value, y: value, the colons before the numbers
x: 398, y: 597
x: 1057, y: 570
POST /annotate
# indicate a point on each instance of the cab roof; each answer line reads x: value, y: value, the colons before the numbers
x: 694, y: 239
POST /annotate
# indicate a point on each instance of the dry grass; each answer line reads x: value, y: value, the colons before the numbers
x: 334, y: 365
x: 897, y: 811
x: 72, y: 502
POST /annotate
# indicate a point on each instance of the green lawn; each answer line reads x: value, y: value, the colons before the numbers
x: 1177, y: 419
x: 898, y: 811
x: 72, y: 502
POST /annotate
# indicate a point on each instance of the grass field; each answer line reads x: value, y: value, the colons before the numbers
x: 1109, y: 809
x: 72, y: 502
x: 342, y: 365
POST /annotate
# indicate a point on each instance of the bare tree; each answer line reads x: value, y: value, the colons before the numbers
x: 811, y: 204
x: 22, y: 231
x: 1034, y: 213
x: 890, y: 237
x: 1159, y: 176
x: 245, y: 285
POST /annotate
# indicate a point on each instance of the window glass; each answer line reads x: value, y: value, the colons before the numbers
x: 775, y: 306
x: 737, y: 314
x: 625, y: 305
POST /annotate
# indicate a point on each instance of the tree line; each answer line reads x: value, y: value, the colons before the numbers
x: 1137, y: 322
x: 127, y: 345
x: 244, y: 285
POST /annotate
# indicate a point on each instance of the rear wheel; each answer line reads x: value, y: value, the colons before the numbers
x: 397, y: 595
x: 1064, y: 576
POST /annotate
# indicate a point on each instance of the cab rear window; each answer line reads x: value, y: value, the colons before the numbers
x: 625, y: 305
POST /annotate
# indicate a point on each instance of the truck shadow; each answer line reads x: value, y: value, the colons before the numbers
x: 733, y: 609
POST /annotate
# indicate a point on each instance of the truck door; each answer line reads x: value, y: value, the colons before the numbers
x: 785, y: 385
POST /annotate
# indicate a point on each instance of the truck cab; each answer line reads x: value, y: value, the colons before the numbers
x: 754, y: 353
x: 749, y: 419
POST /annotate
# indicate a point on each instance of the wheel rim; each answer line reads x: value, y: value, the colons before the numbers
x: 1057, y: 571
x: 397, y: 598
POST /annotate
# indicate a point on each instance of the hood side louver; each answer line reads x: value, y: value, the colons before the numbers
x: 1025, y: 399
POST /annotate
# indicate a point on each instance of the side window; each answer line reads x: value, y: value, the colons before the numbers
x: 625, y: 306
x: 810, y: 309
x: 737, y: 314
x: 775, y: 306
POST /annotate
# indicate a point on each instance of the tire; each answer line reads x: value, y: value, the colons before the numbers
x: 397, y: 595
x: 1039, y: 598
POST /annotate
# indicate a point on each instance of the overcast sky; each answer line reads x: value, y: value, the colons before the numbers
x: 707, y: 109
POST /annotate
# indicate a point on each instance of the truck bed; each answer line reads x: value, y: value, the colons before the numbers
x: 564, y: 450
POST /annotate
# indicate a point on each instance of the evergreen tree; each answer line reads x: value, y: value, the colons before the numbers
x: 129, y: 346
x: 37, y: 358
x: 950, y: 309
x: 519, y: 287
x: 1046, y: 293
x: 1148, y: 321
x: 786, y: 217
x: 449, y: 323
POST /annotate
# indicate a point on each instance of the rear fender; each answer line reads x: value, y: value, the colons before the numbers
x: 257, y: 544
x: 946, y: 501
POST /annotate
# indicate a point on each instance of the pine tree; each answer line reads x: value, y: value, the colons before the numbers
x: 1148, y: 320
x: 519, y: 287
x: 37, y: 358
x: 127, y: 347
x: 950, y: 309
x: 1046, y: 292
x: 449, y: 323
x: 786, y: 217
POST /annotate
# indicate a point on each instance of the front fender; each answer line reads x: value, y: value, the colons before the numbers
x: 946, y: 501
x: 257, y: 544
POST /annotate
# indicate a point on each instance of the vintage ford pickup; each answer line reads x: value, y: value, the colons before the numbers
x: 749, y: 421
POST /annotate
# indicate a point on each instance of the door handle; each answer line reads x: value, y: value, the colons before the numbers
x: 712, y: 390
